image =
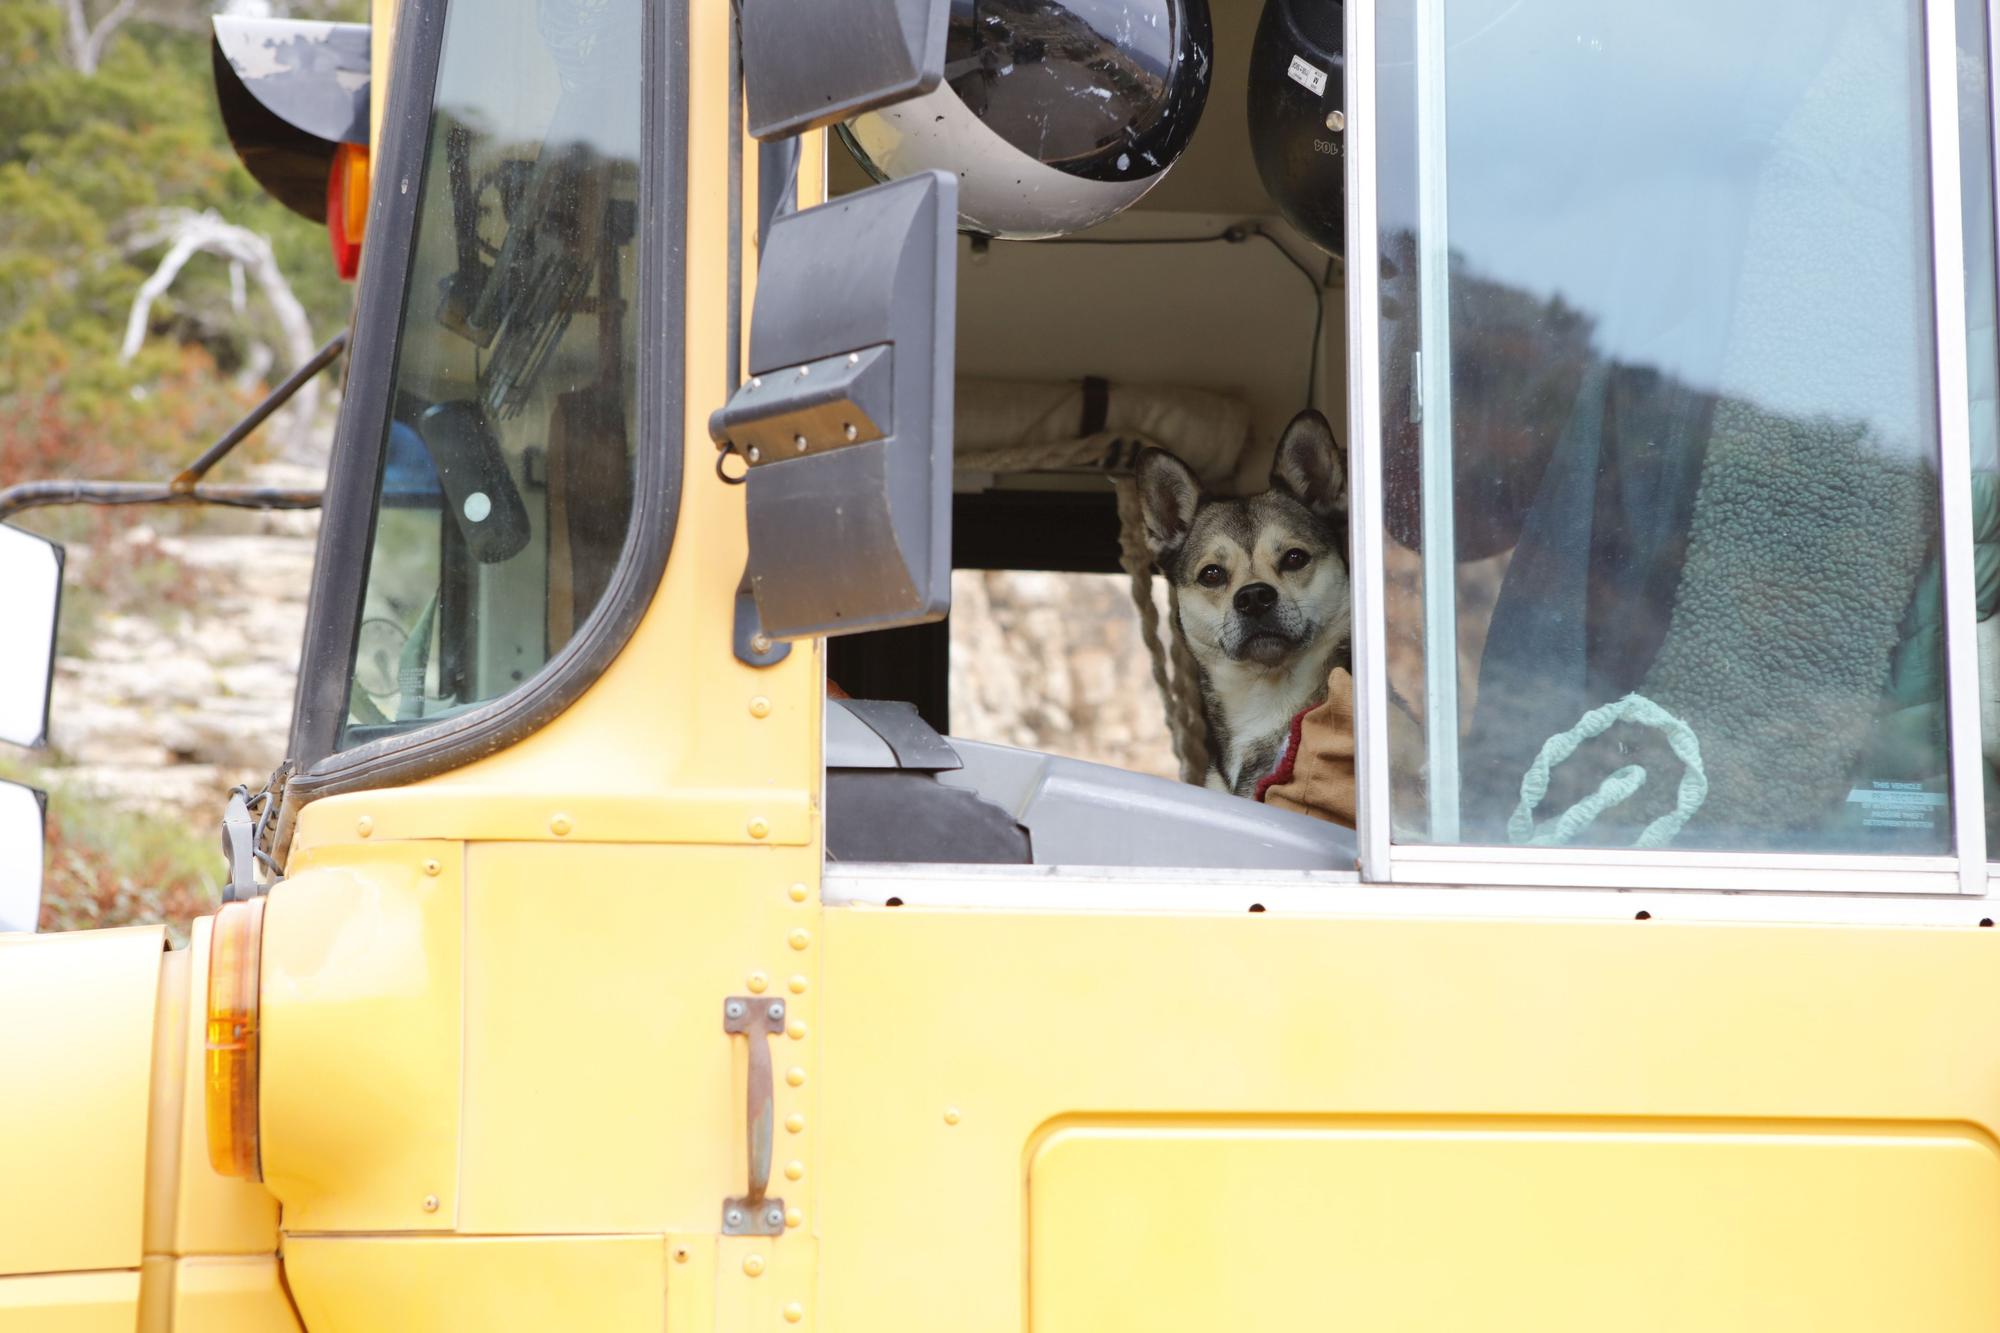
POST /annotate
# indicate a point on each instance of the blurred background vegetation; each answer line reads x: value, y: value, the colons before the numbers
x: 109, y: 142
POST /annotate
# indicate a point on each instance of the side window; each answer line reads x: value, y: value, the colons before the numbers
x: 506, y: 485
x: 1975, y: 145
x: 1660, y: 425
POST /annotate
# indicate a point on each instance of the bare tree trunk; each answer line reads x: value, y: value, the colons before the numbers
x: 86, y: 40
x: 187, y: 234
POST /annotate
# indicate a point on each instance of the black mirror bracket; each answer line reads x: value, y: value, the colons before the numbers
x: 753, y: 646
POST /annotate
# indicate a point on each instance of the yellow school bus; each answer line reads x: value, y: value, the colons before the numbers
x: 590, y: 963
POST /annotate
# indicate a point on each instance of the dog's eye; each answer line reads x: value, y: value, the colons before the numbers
x: 1212, y: 576
x: 1294, y: 559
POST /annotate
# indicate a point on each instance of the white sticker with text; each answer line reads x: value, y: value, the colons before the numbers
x: 1307, y: 76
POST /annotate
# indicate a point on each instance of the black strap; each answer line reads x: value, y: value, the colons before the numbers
x: 1096, y: 405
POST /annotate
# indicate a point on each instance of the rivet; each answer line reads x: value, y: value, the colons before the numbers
x: 795, y: 1123
x: 797, y: 985
x: 430, y: 1203
x: 794, y: 1312
x: 560, y: 825
x: 795, y: 1076
x: 432, y: 868
x: 760, y: 707
x: 760, y: 644
x: 850, y: 431
x: 799, y: 938
x: 951, y: 1115
x: 760, y: 827
x: 805, y: 371
x: 800, y: 441
x: 793, y: 1217
x: 776, y: 1013
x: 798, y: 892
x: 680, y: 1254
x: 756, y: 382
x: 753, y: 1264
x: 1336, y: 120
x: 795, y: 1030
x: 794, y: 1170
x: 754, y: 454
x: 757, y: 982
x: 364, y: 826
x: 854, y: 358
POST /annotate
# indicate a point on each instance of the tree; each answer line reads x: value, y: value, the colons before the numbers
x: 87, y: 39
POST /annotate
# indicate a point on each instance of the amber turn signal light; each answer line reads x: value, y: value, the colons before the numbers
x: 347, y: 207
x: 234, y: 949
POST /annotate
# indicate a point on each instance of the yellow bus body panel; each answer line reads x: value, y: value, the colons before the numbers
x: 104, y: 1302
x: 491, y: 1284
x: 1072, y: 1121
x: 76, y: 1059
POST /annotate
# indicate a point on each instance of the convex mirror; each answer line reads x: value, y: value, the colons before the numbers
x: 30, y: 596
x: 22, y: 827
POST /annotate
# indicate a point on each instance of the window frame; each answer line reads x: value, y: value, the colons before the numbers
x: 1963, y: 871
x: 347, y: 531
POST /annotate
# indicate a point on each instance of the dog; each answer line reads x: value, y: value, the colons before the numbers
x: 1263, y: 599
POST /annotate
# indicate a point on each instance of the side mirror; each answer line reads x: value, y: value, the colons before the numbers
x: 478, y: 488
x: 807, y: 63
x: 30, y: 597
x: 846, y: 422
x: 23, y: 817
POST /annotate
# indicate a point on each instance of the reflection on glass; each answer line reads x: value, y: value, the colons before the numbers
x: 1656, y: 299
x: 1975, y: 148
x: 506, y: 482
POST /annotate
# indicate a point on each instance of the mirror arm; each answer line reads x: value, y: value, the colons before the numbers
x: 186, y: 487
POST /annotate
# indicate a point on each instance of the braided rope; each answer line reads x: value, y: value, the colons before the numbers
x: 1173, y: 667
x: 1614, y: 790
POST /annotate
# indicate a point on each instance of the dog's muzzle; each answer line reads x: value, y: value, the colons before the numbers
x: 1263, y: 629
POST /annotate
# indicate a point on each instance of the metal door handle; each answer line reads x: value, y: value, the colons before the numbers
x: 755, y: 1214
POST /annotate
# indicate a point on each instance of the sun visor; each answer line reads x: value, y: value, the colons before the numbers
x: 291, y: 91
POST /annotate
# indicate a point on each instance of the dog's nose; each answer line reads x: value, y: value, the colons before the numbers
x: 1254, y: 599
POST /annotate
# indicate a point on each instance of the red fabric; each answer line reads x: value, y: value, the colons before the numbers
x: 1283, y: 772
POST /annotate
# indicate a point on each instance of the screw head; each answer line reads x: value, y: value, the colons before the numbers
x: 733, y: 1009
x: 760, y: 827
x: 754, y: 455
x: 760, y: 707
x: 430, y: 1203
x: 850, y: 431
x: 805, y: 371
x: 854, y: 358
x: 756, y: 382
x: 760, y: 644
x: 1336, y: 120
x: 734, y: 1217
x: 800, y: 441
x: 776, y: 1013
x: 775, y: 1217
x: 432, y: 868
x: 364, y: 826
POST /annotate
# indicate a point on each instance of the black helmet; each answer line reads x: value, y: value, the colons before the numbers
x: 1297, y: 78
x: 1054, y: 114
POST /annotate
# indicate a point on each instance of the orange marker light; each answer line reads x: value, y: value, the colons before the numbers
x: 347, y: 207
x: 234, y: 950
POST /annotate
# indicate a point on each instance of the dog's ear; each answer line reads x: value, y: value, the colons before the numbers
x: 1310, y: 465
x: 1168, y: 495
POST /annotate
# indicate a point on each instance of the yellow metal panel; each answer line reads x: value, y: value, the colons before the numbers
x: 691, y: 1284
x: 607, y: 1284
x: 955, y: 1042
x: 213, y: 1214
x: 1565, y: 1227
x: 601, y: 1092
x: 232, y: 1295
x: 360, y: 1050
x: 554, y: 814
x: 106, y: 1302
x: 73, y: 1113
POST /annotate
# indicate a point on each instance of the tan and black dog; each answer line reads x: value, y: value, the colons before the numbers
x: 1265, y: 604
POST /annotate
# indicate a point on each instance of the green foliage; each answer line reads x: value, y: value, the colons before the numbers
x: 86, y: 163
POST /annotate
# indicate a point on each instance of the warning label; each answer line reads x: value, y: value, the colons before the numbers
x: 1307, y: 75
x: 1901, y: 805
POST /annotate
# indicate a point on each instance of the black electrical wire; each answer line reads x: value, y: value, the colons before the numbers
x: 1235, y: 235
